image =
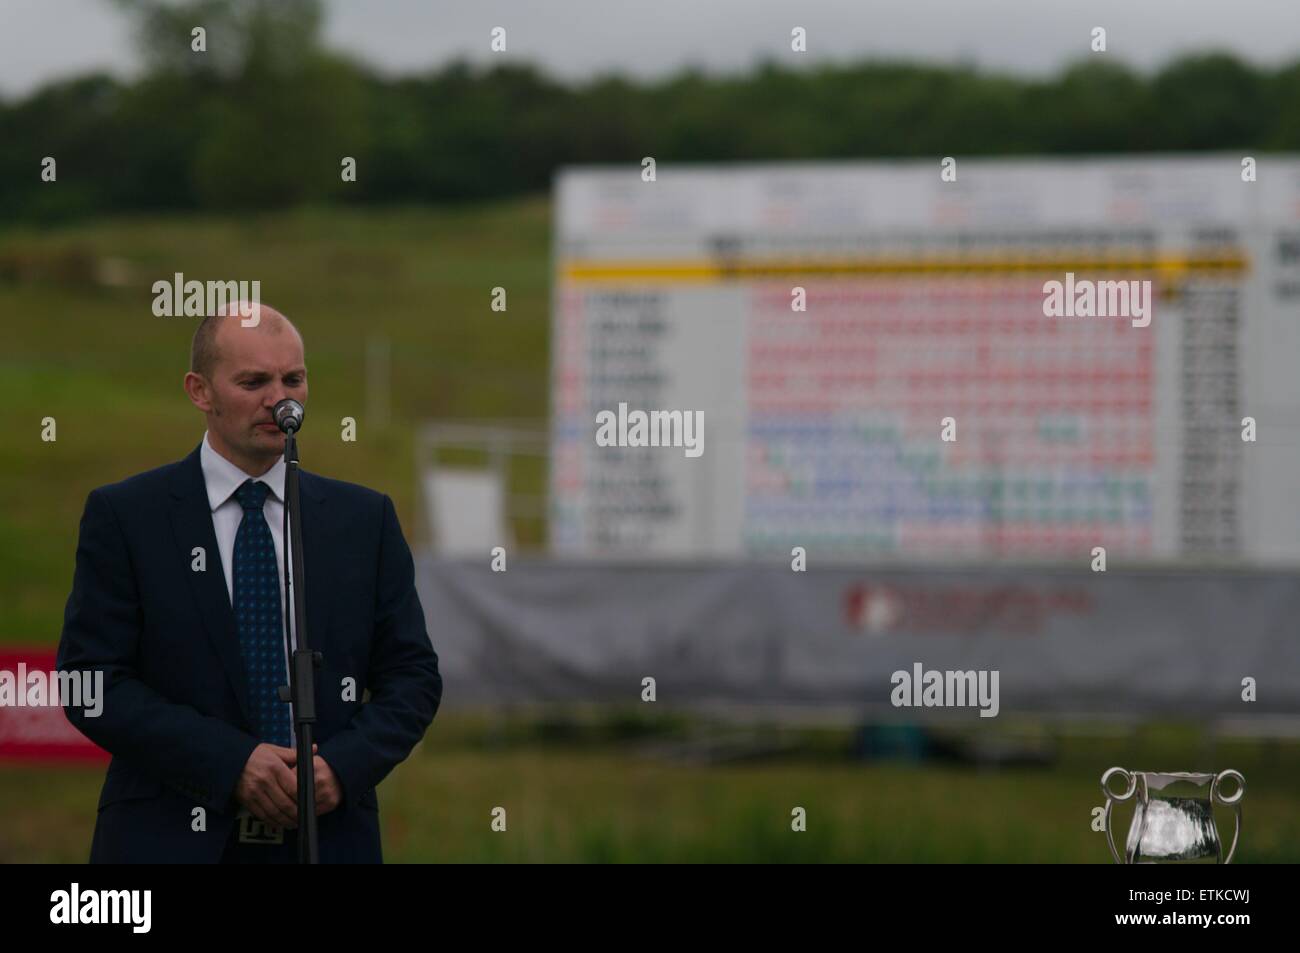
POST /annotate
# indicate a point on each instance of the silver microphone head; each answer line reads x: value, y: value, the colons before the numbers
x: 288, y: 415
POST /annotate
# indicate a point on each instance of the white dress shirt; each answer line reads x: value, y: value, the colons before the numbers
x: 223, y: 478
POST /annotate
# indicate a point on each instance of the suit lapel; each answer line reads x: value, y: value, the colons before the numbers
x: 315, y: 549
x: 192, y: 525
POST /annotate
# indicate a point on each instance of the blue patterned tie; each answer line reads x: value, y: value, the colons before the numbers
x: 257, y: 614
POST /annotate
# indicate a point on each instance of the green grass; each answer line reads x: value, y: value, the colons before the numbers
x: 98, y: 361
x: 603, y: 796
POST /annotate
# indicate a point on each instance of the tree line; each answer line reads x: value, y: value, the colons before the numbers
x: 265, y: 117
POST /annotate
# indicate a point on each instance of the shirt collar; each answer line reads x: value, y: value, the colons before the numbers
x: 223, y: 478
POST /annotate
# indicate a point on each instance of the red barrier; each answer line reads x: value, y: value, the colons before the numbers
x: 42, y: 732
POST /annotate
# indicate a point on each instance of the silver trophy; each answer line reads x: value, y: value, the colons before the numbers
x: 1173, y: 819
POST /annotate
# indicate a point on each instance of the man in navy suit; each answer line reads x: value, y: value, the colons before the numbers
x: 176, y: 599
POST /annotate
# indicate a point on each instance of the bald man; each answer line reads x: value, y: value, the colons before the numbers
x: 177, y: 598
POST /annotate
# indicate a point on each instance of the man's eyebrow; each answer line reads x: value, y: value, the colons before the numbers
x: 299, y: 371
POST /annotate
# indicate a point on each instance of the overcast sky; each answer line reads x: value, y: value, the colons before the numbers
x: 576, y: 39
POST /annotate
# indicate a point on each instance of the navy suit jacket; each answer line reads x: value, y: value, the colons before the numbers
x: 175, y: 702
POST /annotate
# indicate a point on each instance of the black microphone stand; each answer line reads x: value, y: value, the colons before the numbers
x: 301, y: 690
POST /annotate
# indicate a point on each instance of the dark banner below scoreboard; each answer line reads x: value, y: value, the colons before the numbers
x: 1200, y: 644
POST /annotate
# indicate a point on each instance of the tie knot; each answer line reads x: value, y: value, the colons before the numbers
x: 252, y: 495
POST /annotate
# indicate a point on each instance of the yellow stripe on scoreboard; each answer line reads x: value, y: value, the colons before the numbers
x: 711, y: 270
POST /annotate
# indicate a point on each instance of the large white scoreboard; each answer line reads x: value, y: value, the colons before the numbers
x: 833, y: 322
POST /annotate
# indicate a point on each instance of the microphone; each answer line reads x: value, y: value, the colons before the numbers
x: 288, y: 415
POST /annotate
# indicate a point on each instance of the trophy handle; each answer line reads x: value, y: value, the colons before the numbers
x: 1234, y: 802
x: 1112, y: 799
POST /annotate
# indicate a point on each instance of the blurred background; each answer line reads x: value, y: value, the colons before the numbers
x: 524, y: 170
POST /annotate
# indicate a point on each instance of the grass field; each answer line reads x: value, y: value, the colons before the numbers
x: 96, y: 359
x: 597, y: 792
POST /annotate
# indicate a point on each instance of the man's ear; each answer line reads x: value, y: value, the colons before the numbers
x: 199, y: 391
